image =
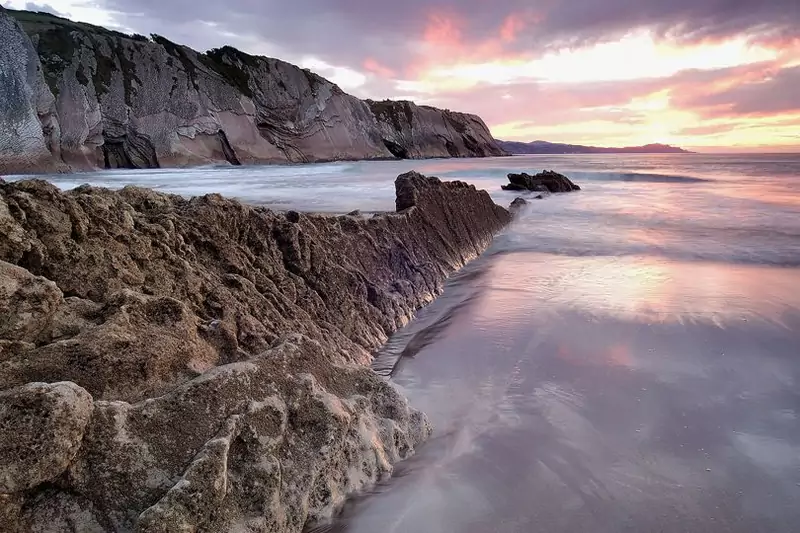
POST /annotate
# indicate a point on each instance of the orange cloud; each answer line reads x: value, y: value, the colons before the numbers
x: 511, y: 26
x: 514, y: 23
x: 443, y: 44
x: 373, y: 66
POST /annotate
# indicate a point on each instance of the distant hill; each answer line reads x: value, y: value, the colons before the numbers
x: 544, y: 147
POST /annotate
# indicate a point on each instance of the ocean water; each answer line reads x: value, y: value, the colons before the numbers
x: 623, y: 359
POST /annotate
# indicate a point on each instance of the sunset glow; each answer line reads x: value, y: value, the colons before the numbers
x: 702, y: 76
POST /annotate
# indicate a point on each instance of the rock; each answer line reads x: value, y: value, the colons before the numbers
x: 518, y: 204
x: 29, y: 127
x: 41, y: 428
x: 410, y: 131
x: 547, y: 181
x: 226, y: 348
x: 96, y: 98
x: 27, y: 304
x: 356, y: 213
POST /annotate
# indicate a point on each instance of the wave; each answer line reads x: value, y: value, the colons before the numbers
x: 636, y: 177
x: 576, y: 175
x: 744, y: 255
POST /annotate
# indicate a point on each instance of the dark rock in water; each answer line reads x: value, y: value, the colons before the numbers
x: 207, y: 360
x: 356, y: 213
x: 518, y: 204
x: 547, y: 181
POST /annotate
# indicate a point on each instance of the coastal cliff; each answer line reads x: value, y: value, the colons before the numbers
x: 202, y: 365
x: 412, y: 132
x: 82, y: 97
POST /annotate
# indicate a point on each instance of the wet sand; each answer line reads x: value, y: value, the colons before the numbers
x: 600, y: 394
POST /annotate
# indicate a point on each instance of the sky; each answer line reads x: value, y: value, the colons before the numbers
x: 708, y: 75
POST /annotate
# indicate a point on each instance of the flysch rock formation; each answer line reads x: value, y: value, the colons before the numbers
x: 412, y: 132
x: 171, y: 364
x: 81, y: 97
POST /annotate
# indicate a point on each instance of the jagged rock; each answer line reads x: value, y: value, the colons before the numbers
x: 225, y: 346
x: 41, y: 427
x: 132, y: 102
x: 547, y: 181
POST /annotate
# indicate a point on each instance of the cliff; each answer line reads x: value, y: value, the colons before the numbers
x: 201, y: 365
x: 412, y: 131
x: 113, y: 100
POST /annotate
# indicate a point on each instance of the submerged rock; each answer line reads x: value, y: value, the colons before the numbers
x: 547, y: 181
x: 216, y: 353
x: 517, y: 204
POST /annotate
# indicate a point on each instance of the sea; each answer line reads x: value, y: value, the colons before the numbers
x: 622, y: 359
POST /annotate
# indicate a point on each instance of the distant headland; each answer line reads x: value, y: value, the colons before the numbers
x: 544, y: 147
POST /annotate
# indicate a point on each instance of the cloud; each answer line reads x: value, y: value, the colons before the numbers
x: 764, y: 93
x: 346, y: 31
x: 43, y: 8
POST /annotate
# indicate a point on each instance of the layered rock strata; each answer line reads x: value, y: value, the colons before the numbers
x: 170, y: 365
x: 81, y: 97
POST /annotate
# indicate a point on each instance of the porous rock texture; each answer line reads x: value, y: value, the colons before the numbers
x: 134, y: 102
x: 200, y: 365
x: 547, y: 181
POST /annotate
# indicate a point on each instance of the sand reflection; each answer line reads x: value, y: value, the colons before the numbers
x: 646, y: 290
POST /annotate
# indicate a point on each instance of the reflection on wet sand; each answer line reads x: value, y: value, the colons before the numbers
x: 638, y: 289
x: 600, y: 394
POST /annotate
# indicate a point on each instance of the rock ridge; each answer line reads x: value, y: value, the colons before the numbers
x: 81, y: 97
x: 173, y: 364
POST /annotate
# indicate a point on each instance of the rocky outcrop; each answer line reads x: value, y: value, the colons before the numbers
x: 546, y: 181
x: 412, y: 131
x: 112, y: 100
x: 201, y: 365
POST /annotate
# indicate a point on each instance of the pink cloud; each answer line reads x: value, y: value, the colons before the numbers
x: 373, y: 66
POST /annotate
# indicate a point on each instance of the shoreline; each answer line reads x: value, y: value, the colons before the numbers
x: 249, y: 165
x: 207, y: 358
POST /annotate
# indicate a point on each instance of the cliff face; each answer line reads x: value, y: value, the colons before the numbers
x: 412, y: 131
x: 29, y: 129
x: 200, y: 365
x: 128, y: 101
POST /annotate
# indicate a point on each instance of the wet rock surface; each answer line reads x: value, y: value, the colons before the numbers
x: 215, y: 353
x: 547, y: 181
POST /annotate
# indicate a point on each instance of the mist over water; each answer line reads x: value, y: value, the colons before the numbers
x: 626, y: 358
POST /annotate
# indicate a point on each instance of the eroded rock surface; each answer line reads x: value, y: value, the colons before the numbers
x: 546, y: 181
x: 113, y: 100
x: 224, y: 347
x: 41, y: 428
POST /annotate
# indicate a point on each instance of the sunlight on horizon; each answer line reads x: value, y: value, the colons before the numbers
x: 635, y: 56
